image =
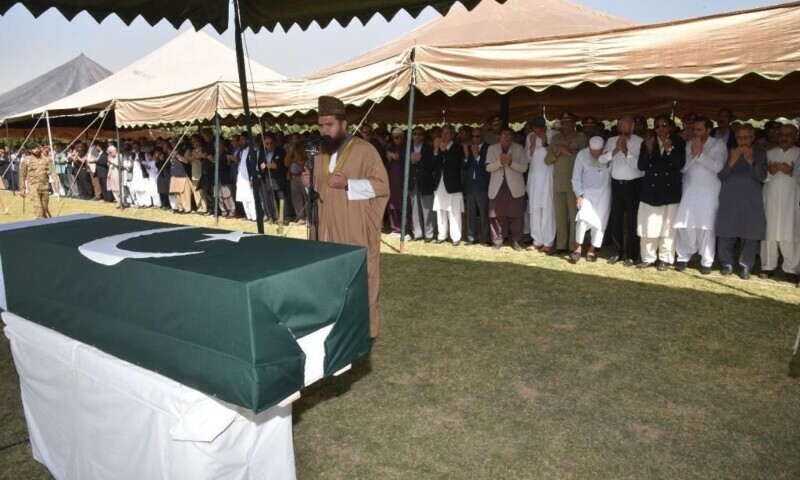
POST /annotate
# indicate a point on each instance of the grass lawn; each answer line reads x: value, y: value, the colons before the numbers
x: 516, y: 365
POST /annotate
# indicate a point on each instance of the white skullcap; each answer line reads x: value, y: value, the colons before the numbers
x: 397, y: 131
x: 596, y: 143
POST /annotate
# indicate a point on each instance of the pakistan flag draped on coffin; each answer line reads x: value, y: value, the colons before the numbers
x: 221, y: 312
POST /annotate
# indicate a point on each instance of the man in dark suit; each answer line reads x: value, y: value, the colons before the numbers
x: 724, y: 131
x: 447, y: 199
x: 476, y: 187
x: 101, y: 172
x: 661, y: 159
x: 420, y: 186
x: 272, y: 173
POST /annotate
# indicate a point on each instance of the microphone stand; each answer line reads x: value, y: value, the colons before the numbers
x: 312, y: 149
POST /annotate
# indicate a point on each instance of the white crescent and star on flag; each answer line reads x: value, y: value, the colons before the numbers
x: 106, y: 250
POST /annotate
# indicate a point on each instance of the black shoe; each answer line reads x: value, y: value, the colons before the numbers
x: 428, y: 240
x: 439, y: 242
x: 470, y: 242
x: 662, y: 267
x: 726, y: 270
x: 614, y: 259
x: 643, y: 264
x: 792, y: 278
x: 516, y: 246
x: 705, y: 270
x: 592, y: 257
x: 681, y: 266
x: 629, y: 262
x: 455, y: 244
x: 574, y: 257
x: 744, y: 273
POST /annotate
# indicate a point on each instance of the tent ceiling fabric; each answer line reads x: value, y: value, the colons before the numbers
x: 66, y: 79
x: 256, y: 14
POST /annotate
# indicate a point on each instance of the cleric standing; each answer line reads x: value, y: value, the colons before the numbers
x: 353, y: 190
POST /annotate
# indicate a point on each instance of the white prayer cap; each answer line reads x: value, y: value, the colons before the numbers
x: 397, y: 131
x: 596, y: 143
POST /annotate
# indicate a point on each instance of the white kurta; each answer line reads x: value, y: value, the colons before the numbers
x: 592, y: 181
x: 541, y: 218
x: 698, y: 207
x: 244, y: 192
x: 781, y: 197
x: 447, y: 202
x: 139, y: 184
x: 540, y: 177
x: 152, y: 178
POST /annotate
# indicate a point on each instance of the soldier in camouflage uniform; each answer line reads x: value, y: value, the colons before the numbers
x: 37, y: 169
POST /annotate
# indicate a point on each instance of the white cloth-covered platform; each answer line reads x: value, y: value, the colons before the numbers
x: 94, y: 416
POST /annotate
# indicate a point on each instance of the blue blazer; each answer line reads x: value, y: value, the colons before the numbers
x: 477, y: 178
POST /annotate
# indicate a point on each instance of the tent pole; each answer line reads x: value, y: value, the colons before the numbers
x: 119, y: 168
x: 504, y: 109
x: 216, y: 168
x: 239, y: 33
x: 50, y: 142
x: 407, y: 166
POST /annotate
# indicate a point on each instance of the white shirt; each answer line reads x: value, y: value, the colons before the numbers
x: 357, y: 189
x: 624, y: 166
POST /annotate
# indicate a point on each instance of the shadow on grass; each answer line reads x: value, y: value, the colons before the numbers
x: 487, y: 369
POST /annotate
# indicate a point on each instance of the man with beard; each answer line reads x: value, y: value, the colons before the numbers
x: 37, y: 170
x: 353, y: 189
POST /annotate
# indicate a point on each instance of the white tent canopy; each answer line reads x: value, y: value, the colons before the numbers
x: 192, y: 61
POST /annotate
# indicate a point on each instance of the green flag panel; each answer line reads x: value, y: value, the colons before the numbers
x: 217, y: 311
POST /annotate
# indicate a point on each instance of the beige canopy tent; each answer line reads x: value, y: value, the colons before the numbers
x: 387, y: 78
x: 490, y: 22
x: 381, y: 75
x: 192, y: 61
x: 747, y: 61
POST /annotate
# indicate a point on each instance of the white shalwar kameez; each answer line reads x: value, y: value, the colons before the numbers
x: 592, y: 181
x: 541, y: 213
x: 697, y: 212
x: 781, y: 203
x: 244, y: 191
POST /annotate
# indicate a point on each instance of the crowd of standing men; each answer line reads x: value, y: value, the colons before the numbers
x: 726, y: 193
